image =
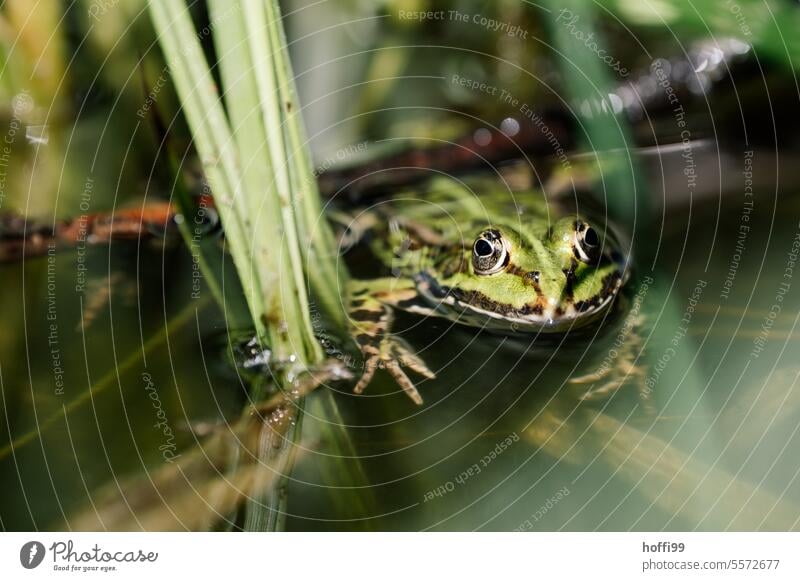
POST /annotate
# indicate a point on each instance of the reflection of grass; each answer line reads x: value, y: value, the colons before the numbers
x: 688, y: 488
x: 157, y: 341
x: 674, y: 481
x: 686, y: 461
x: 196, y: 492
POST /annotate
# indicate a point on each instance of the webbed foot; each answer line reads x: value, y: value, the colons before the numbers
x: 392, y: 354
x: 623, y: 370
x: 371, y: 320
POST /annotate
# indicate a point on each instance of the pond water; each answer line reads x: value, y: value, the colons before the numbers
x: 113, y: 366
x: 703, y: 437
x: 505, y: 441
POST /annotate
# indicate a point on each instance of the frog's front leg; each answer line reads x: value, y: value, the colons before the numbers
x: 371, y: 313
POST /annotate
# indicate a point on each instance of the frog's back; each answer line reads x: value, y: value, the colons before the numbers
x: 452, y: 208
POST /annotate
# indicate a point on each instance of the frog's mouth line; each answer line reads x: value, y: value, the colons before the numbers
x: 464, y: 306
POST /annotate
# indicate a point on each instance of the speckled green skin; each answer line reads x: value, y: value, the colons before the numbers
x: 544, y: 285
x: 532, y: 272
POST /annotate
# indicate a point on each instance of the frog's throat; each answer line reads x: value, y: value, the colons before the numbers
x: 474, y: 309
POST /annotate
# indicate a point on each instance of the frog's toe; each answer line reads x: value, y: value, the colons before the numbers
x: 370, y: 365
x: 600, y: 392
x: 407, y: 358
x: 403, y: 381
x: 393, y: 367
x: 593, y: 377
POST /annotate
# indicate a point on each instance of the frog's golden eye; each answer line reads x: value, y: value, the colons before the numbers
x: 587, y: 243
x: 489, y: 253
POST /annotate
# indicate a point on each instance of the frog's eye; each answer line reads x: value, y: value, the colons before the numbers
x: 587, y: 243
x: 489, y: 253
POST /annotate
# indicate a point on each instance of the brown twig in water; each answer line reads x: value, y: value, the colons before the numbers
x: 22, y: 238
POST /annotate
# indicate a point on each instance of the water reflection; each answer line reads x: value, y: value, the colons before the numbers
x: 700, y: 436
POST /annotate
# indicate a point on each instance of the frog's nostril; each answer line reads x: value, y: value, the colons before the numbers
x: 532, y: 277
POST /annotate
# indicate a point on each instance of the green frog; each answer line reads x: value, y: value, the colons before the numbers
x: 480, y: 255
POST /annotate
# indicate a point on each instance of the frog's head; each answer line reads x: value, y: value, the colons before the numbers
x: 546, y: 279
